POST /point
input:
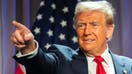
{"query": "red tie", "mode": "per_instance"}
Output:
(99, 68)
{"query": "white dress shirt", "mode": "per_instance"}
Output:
(107, 63)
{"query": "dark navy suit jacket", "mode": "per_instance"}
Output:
(60, 59)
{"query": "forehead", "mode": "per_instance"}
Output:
(90, 15)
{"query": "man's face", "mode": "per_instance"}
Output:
(92, 31)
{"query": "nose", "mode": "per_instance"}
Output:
(87, 31)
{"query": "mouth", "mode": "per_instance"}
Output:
(89, 40)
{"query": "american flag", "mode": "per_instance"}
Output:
(54, 23)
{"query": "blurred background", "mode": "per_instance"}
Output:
(51, 22)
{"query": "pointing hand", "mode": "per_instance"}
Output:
(22, 38)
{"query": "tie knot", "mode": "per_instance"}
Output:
(98, 59)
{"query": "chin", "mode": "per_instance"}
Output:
(87, 48)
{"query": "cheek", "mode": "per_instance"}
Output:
(79, 33)
(100, 34)
(80, 36)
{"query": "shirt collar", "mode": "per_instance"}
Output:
(106, 55)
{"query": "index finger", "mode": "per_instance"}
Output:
(18, 25)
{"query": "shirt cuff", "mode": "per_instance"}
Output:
(28, 55)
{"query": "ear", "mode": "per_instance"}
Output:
(109, 31)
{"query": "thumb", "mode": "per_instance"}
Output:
(29, 37)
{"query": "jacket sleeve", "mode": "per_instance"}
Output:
(42, 63)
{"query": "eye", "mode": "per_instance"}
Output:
(81, 25)
(94, 24)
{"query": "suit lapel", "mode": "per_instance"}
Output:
(79, 63)
(118, 64)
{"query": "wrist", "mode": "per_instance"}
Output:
(29, 48)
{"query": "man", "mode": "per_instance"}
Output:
(94, 25)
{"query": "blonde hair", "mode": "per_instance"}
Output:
(102, 6)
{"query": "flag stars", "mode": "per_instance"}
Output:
(37, 30)
(50, 33)
(53, 6)
(42, 3)
(63, 23)
(65, 9)
(47, 46)
(51, 19)
(74, 39)
(39, 16)
(62, 36)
